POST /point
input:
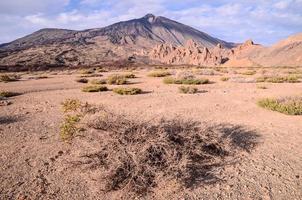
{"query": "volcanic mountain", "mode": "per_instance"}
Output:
(123, 40)
(148, 40)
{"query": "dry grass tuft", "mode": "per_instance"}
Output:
(70, 105)
(127, 91)
(159, 74)
(288, 105)
(138, 154)
(98, 81)
(94, 88)
(116, 79)
(279, 79)
(82, 80)
(185, 81)
(188, 90)
(224, 78)
(9, 78)
(8, 94)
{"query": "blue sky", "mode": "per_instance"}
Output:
(264, 21)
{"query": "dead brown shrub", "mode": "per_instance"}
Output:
(135, 155)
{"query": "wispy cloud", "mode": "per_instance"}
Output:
(265, 21)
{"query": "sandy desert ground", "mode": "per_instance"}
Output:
(35, 162)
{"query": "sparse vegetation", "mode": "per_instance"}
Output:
(279, 79)
(98, 81)
(71, 105)
(187, 89)
(82, 80)
(127, 91)
(129, 75)
(94, 88)
(141, 153)
(159, 74)
(263, 87)
(185, 81)
(224, 78)
(116, 80)
(249, 73)
(288, 105)
(9, 78)
(8, 94)
(69, 127)
(86, 71)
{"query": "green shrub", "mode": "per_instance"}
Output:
(8, 94)
(187, 90)
(127, 91)
(94, 88)
(279, 79)
(116, 80)
(159, 74)
(185, 81)
(289, 105)
(82, 80)
(224, 78)
(98, 81)
(71, 105)
(69, 127)
(9, 78)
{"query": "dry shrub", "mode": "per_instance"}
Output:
(279, 79)
(287, 105)
(127, 91)
(129, 75)
(224, 78)
(137, 155)
(82, 80)
(98, 81)
(159, 74)
(94, 88)
(9, 78)
(116, 79)
(188, 90)
(186, 81)
(8, 94)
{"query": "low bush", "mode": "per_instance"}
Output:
(187, 90)
(116, 80)
(261, 87)
(71, 105)
(98, 81)
(82, 80)
(249, 73)
(136, 155)
(130, 75)
(94, 88)
(9, 78)
(288, 105)
(69, 127)
(185, 81)
(127, 91)
(224, 78)
(159, 74)
(86, 71)
(8, 94)
(279, 79)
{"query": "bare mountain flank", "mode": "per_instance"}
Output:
(149, 40)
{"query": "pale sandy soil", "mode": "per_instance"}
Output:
(35, 162)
